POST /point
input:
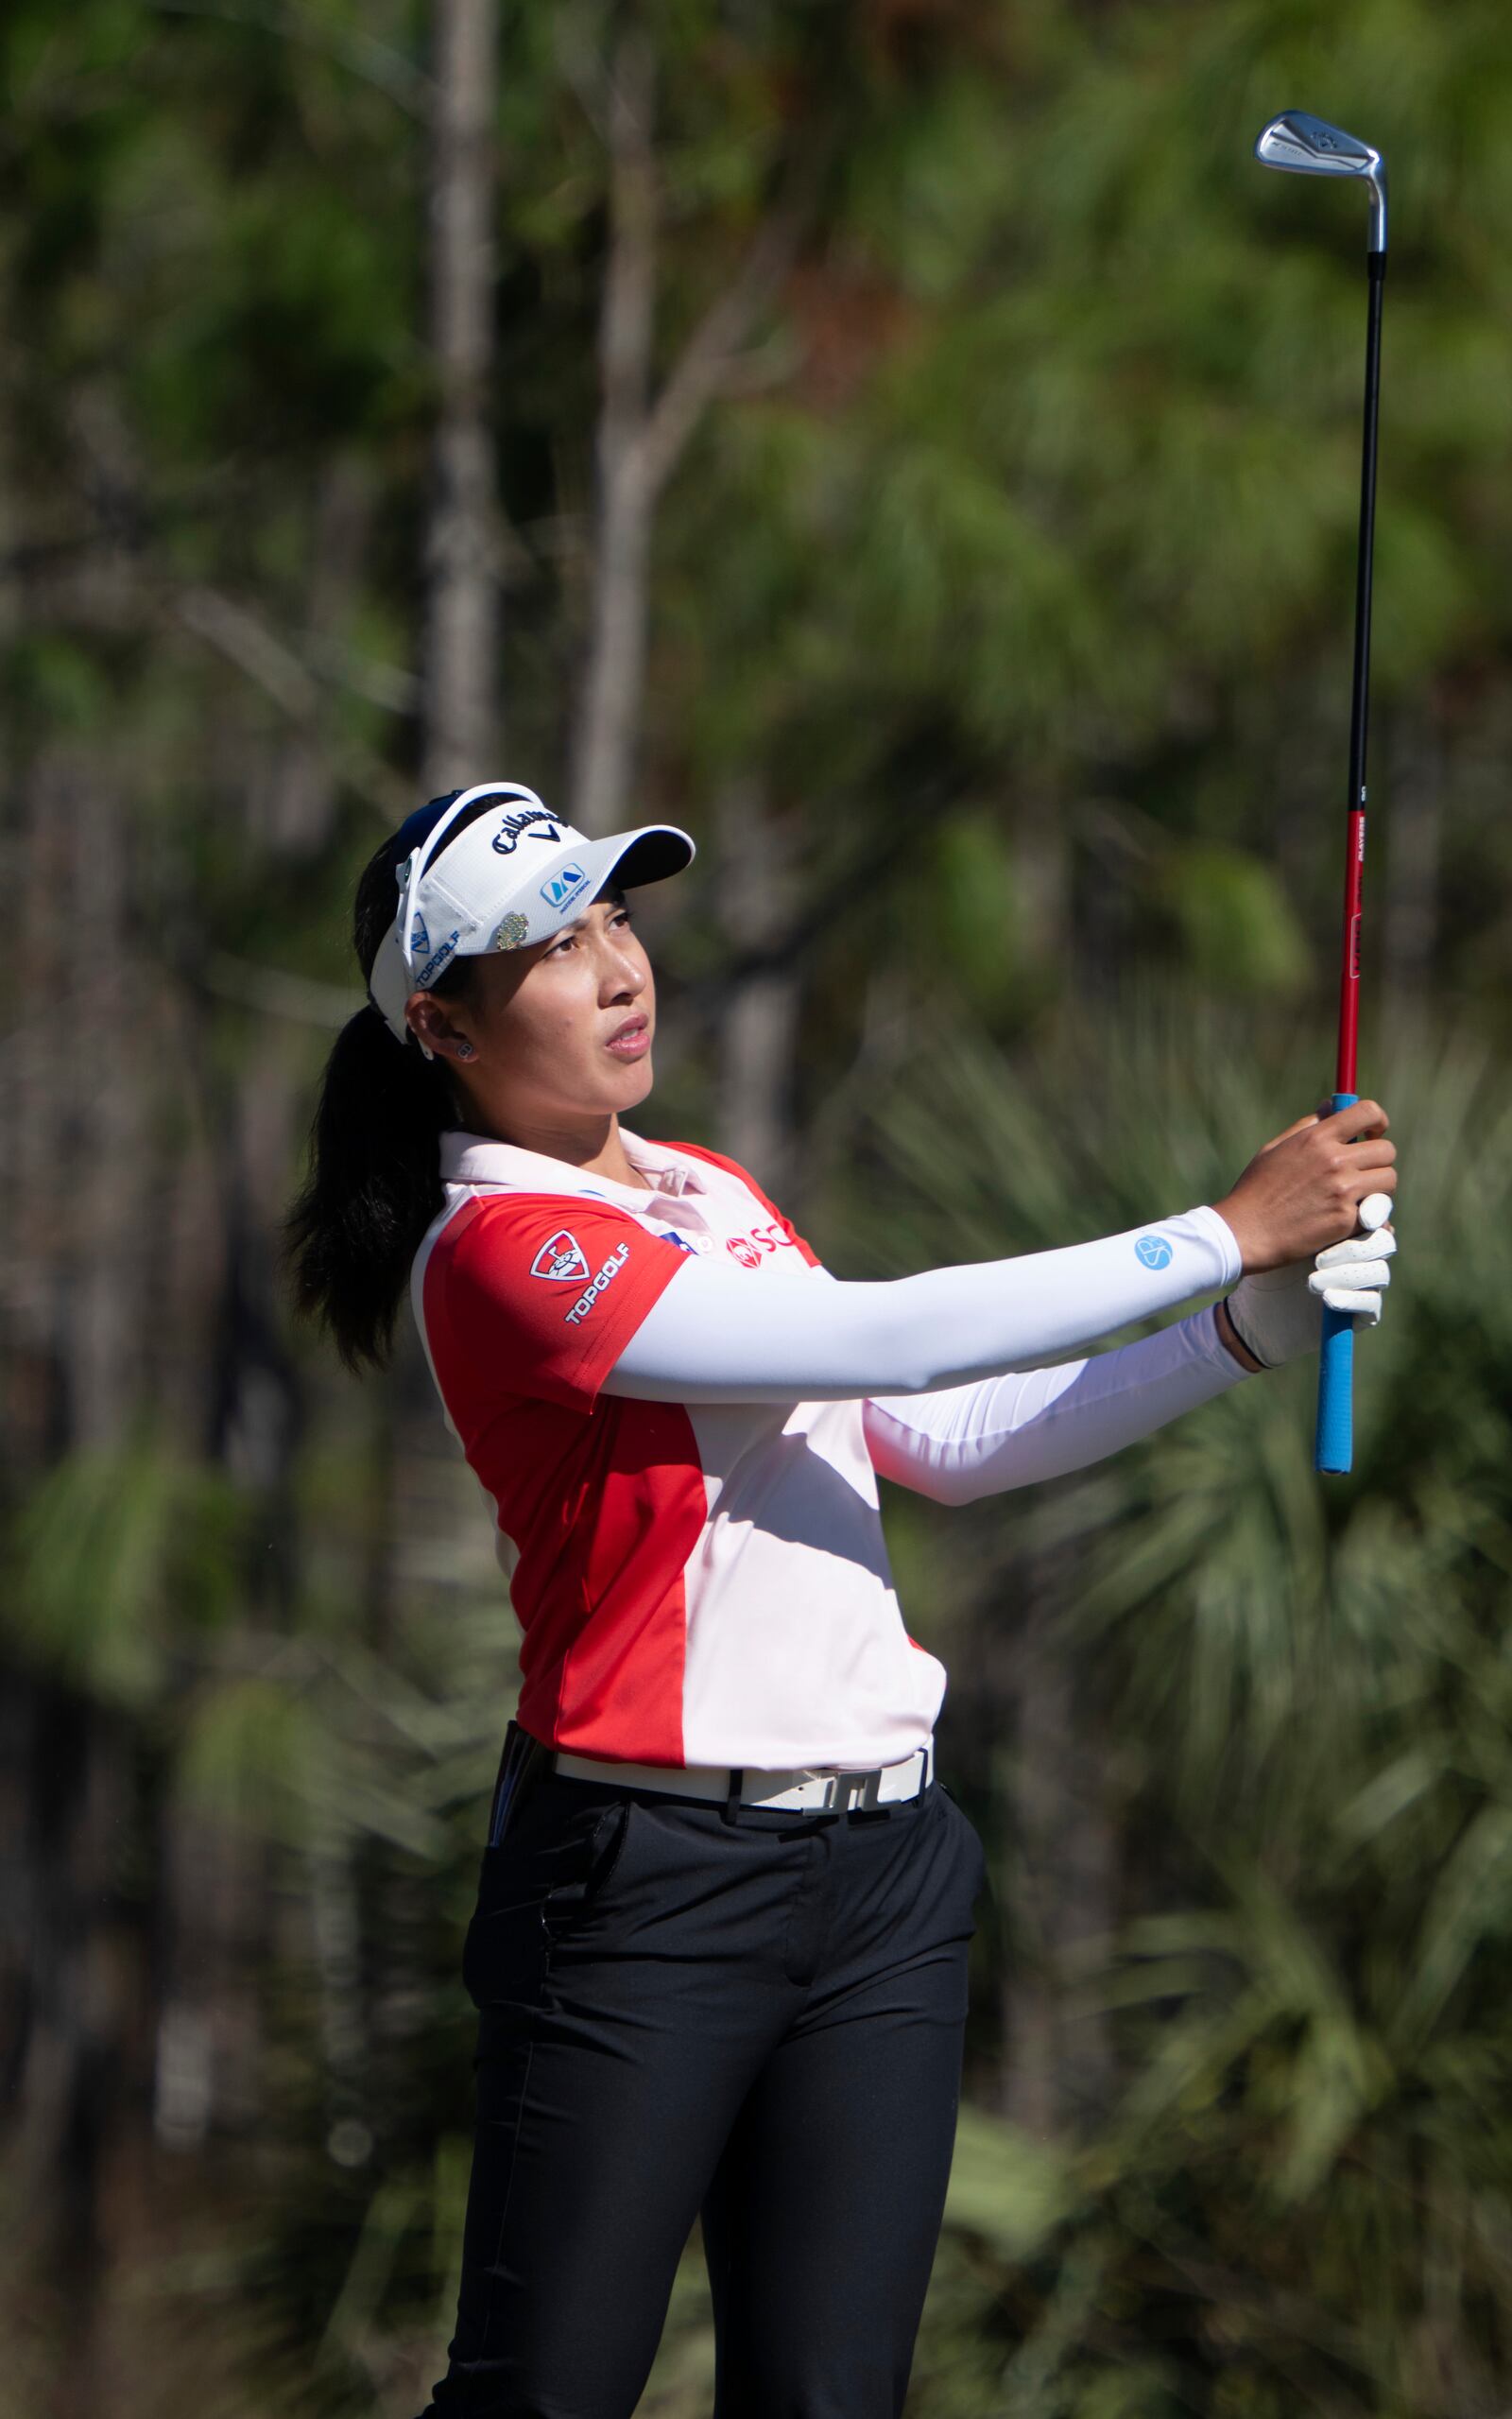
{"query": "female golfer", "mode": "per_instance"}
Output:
(720, 1940)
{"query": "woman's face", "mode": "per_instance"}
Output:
(542, 1022)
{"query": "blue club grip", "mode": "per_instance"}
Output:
(1333, 1450)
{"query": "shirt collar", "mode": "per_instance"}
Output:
(476, 1159)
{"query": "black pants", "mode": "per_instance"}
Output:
(758, 2018)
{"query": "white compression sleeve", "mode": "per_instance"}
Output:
(980, 1439)
(713, 1337)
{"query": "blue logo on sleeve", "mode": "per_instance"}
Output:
(1154, 1252)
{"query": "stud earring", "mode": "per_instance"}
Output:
(465, 1050)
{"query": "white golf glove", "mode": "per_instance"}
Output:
(1277, 1316)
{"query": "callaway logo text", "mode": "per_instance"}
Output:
(539, 821)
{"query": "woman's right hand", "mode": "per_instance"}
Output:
(1303, 1189)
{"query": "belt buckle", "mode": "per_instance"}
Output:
(817, 1792)
(849, 1790)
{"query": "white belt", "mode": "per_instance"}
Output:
(807, 1788)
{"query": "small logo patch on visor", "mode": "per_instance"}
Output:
(563, 884)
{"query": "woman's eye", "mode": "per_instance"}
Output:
(621, 915)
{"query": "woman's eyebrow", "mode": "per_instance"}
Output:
(612, 899)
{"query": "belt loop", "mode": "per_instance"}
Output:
(923, 1774)
(737, 1782)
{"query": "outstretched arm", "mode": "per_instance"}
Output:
(709, 1339)
(714, 1337)
(959, 1442)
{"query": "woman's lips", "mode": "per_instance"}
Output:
(633, 1045)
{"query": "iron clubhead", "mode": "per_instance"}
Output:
(1309, 146)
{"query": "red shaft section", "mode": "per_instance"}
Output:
(1349, 978)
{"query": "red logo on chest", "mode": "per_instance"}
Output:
(749, 1249)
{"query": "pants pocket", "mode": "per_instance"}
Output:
(535, 1888)
(571, 1898)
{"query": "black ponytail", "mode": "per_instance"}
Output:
(375, 1183)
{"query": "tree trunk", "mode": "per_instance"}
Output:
(1411, 830)
(302, 782)
(82, 1989)
(461, 636)
(1056, 2075)
(1020, 1726)
(642, 430)
(757, 1019)
(80, 1254)
(605, 739)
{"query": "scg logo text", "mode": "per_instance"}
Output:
(747, 1248)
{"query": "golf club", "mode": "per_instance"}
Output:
(1307, 147)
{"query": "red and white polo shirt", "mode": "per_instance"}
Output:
(694, 1583)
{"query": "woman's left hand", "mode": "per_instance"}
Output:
(1277, 1316)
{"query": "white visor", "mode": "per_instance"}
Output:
(509, 879)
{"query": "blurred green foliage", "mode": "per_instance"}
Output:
(1015, 562)
(1298, 2195)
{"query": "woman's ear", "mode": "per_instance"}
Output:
(437, 1036)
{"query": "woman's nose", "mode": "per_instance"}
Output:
(624, 972)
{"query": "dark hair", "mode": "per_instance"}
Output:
(375, 1183)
